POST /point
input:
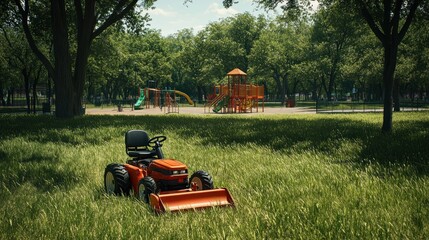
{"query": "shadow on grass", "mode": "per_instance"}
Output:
(406, 145)
(44, 177)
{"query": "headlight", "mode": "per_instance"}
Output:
(174, 172)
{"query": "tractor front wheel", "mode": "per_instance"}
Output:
(146, 186)
(116, 180)
(202, 180)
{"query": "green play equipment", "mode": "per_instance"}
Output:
(140, 101)
(222, 103)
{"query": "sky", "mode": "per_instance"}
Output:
(169, 16)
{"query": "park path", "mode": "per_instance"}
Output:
(194, 110)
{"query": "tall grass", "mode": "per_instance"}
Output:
(309, 177)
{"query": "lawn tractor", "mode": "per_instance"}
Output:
(159, 181)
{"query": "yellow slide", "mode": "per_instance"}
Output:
(186, 96)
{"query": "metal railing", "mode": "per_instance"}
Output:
(361, 106)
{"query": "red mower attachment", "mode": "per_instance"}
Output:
(161, 182)
(178, 201)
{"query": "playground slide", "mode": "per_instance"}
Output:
(220, 104)
(140, 101)
(186, 96)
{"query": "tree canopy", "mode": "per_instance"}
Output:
(342, 50)
(389, 21)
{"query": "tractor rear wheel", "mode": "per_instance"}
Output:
(146, 186)
(116, 180)
(202, 180)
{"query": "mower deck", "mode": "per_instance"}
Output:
(188, 199)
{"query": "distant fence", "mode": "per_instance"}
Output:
(360, 106)
(18, 104)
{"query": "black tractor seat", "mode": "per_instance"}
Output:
(137, 145)
(140, 153)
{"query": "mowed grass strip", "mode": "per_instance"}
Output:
(310, 177)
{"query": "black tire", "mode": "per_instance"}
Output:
(202, 179)
(146, 186)
(116, 180)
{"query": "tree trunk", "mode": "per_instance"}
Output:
(86, 23)
(265, 88)
(396, 94)
(27, 88)
(314, 92)
(333, 75)
(390, 53)
(79, 79)
(49, 91)
(286, 88)
(9, 99)
(200, 93)
(90, 90)
(330, 86)
(323, 85)
(280, 88)
(35, 82)
(64, 89)
(3, 102)
(34, 97)
(295, 86)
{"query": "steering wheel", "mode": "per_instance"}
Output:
(158, 139)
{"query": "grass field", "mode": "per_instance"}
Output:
(292, 177)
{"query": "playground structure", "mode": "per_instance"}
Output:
(236, 96)
(160, 98)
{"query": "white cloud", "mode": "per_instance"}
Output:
(198, 28)
(161, 12)
(220, 10)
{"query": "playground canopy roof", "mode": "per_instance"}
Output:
(236, 72)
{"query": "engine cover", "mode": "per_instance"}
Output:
(169, 174)
(169, 164)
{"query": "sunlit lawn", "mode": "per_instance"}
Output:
(295, 176)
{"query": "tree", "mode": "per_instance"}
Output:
(389, 20)
(413, 62)
(221, 52)
(180, 45)
(90, 20)
(191, 62)
(20, 58)
(279, 48)
(104, 63)
(245, 29)
(148, 59)
(363, 66)
(334, 30)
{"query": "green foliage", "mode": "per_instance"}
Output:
(204, 59)
(413, 62)
(122, 63)
(316, 53)
(279, 49)
(335, 30)
(312, 177)
(364, 75)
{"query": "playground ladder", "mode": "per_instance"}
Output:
(215, 101)
(171, 105)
